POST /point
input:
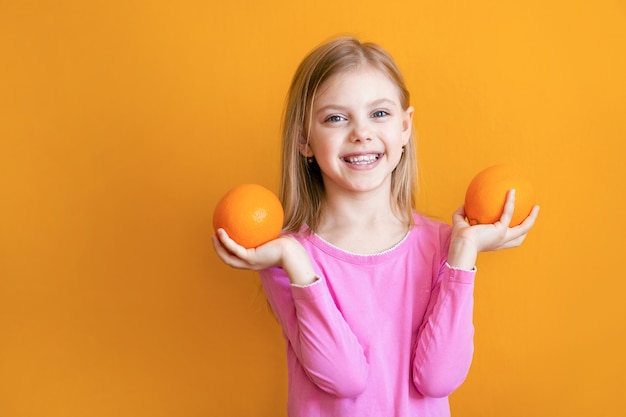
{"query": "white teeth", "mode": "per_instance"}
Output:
(361, 159)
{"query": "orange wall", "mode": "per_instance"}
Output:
(123, 122)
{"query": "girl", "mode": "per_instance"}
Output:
(375, 300)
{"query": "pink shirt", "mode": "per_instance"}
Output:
(381, 335)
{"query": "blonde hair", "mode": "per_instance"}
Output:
(302, 189)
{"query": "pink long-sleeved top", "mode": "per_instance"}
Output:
(382, 335)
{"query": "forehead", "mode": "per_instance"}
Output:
(363, 82)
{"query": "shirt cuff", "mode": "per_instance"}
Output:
(474, 269)
(317, 279)
(460, 275)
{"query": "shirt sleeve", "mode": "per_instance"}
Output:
(445, 346)
(316, 331)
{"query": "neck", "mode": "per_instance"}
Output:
(361, 222)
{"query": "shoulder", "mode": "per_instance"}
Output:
(303, 236)
(433, 231)
(430, 225)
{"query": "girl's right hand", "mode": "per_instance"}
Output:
(235, 255)
(283, 251)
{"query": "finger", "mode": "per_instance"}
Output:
(217, 245)
(514, 242)
(534, 213)
(232, 260)
(459, 214)
(216, 242)
(229, 251)
(509, 208)
(230, 245)
(529, 221)
(220, 249)
(516, 235)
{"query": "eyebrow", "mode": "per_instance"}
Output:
(375, 103)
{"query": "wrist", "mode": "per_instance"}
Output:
(462, 254)
(296, 263)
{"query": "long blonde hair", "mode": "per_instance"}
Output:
(302, 189)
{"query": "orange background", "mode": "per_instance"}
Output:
(123, 122)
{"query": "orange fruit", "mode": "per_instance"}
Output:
(251, 215)
(486, 195)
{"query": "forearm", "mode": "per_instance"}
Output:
(317, 332)
(326, 346)
(444, 349)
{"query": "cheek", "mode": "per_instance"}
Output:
(395, 158)
(326, 155)
(395, 149)
(324, 144)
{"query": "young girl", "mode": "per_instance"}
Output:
(375, 300)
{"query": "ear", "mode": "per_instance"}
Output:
(407, 125)
(304, 147)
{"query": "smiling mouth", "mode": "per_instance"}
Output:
(362, 159)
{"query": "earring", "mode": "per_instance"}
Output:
(309, 160)
(403, 149)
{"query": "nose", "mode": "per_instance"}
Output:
(360, 132)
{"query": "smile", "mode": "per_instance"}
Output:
(362, 159)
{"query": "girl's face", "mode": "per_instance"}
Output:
(358, 128)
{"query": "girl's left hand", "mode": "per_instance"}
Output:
(467, 241)
(283, 251)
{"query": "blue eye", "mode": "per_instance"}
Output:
(335, 118)
(379, 113)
